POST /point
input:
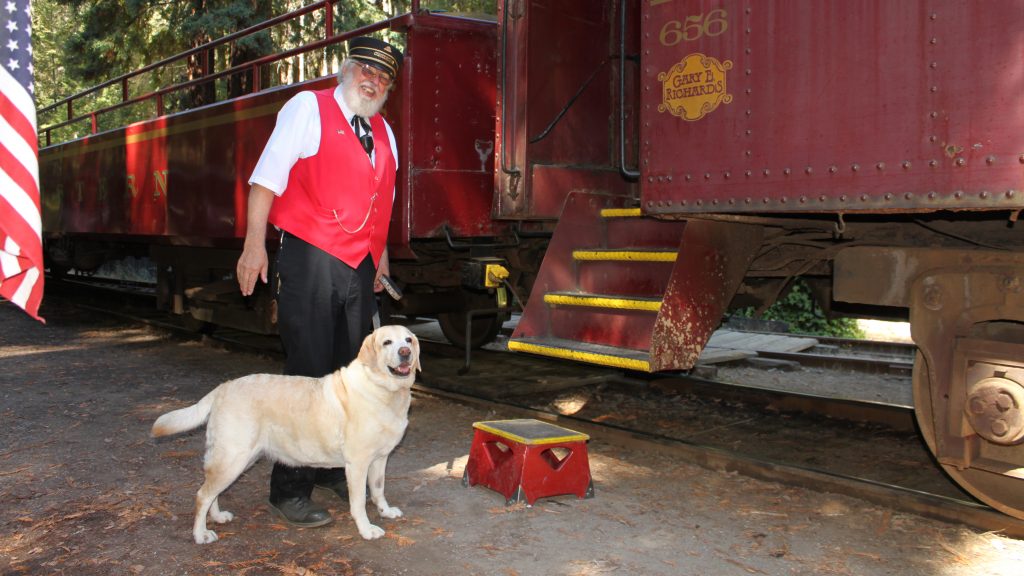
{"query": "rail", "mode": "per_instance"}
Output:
(208, 74)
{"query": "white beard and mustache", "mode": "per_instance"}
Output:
(356, 101)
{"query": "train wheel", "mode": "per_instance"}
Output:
(484, 329)
(1000, 491)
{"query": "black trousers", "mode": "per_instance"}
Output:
(324, 310)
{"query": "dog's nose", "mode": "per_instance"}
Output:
(405, 352)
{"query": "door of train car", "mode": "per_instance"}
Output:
(558, 104)
(880, 147)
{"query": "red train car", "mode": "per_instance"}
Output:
(874, 148)
(669, 160)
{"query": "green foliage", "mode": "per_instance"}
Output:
(81, 43)
(469, 7)
(799, 309)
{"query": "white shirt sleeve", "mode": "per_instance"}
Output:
(394, 153)
(296, 135)
(394, 144)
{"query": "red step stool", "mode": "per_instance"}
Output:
(528, 459)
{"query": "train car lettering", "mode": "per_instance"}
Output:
(715, 23)
(718, 25)
(694, 86)
(160, 176)
(130, 184)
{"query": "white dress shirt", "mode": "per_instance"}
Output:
(297, 135)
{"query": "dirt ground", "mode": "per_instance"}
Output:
(86, 491)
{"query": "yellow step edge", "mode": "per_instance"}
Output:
(620, 213)
(569, 436)
(603, 302)
(625, 255)
(579, 356)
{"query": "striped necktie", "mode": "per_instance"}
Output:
(362, 130)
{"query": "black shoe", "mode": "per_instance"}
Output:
(301, 512)
(339, 488)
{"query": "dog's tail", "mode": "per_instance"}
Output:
(183, 419)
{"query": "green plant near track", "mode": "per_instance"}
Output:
(799, 309)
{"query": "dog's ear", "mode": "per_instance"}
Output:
(416, 352)
(368, 352)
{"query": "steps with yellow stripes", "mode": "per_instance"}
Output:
(599, 292)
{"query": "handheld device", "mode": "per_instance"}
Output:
(390, 287)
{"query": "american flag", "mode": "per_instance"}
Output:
(21, 251)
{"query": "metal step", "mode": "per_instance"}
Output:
(625, 255)
(609, 301)
(628, 227)
(600, 354)
(621, 213)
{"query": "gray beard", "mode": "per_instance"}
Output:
(360, 105)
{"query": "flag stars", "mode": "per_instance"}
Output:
(12, 45)
(13, 65)
(11, 7)
(11, 26)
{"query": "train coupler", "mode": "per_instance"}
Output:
(484, 272)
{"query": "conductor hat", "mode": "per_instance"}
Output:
(376, 53)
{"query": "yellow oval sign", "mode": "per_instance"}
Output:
(694, 86)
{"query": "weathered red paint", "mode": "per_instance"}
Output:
(871, 106)
(713, 257)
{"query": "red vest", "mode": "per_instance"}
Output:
(336, 199)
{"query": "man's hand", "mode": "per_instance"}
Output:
(383, 268)
(253, 263)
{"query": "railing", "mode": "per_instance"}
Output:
(208, 75)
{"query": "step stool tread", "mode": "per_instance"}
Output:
(530, 432)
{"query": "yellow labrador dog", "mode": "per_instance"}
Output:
(353, 418)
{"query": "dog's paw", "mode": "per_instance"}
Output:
(372, 532)
(205, 537)
(222, 517)
(390, 512)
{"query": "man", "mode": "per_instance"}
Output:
(326, 179)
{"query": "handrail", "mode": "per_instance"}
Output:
(233, 70)
(512, 171)
(623, 169)
(212, 44)
(157, 95)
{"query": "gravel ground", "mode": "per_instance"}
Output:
(86, 491)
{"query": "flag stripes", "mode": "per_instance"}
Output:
(21, 250)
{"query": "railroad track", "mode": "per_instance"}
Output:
(865, 356)
(945, 508)
(924, 489)
(728, 428)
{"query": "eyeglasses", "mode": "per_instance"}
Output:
(375, 75)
